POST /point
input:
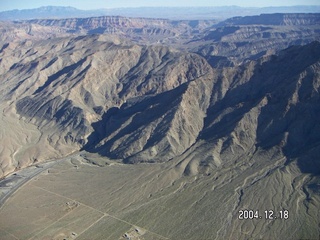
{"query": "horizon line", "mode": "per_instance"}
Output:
(222, 6)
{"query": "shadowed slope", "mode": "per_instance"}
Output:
(63, 87)
(271, 105)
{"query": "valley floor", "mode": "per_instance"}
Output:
(88, 197)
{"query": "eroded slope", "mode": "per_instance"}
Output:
(62, 87)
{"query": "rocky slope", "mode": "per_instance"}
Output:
(21, 32)
(227, 43)
(239, 39)
(237, 112)
(134, 102)
(217, 141)
(140, 30)
(269, 104)
(144, 30)
(233, 125)
(292, 19)
(153, 103)
(62, 87)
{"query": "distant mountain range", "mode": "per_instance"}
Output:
(152, 12)
(223, 43)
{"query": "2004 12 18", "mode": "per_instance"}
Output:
(248, 214)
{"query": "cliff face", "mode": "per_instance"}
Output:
(100, 22)
(239, 39)
(134, 28)
(228, 43)
(276, 19)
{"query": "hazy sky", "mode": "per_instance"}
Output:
(96, 4)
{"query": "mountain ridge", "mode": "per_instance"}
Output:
(144, 88)
(274, 19)
(173, 13)
(226, 43)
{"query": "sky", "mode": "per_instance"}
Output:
(97, 4)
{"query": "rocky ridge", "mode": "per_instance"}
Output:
(151, 104)
(228, 43)
(275, 19)
(64, 91)
(239, 39)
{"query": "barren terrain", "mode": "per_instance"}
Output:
(156, 201)
(134, 128)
